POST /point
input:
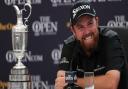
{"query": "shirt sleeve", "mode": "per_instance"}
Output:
(115, 54)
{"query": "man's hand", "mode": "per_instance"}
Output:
(60, 80)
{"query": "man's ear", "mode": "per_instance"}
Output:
(72, 30)
(97, 20)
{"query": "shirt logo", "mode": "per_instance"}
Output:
(64, 60)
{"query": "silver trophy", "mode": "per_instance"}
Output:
(19, 77)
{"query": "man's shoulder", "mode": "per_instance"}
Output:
(69, 40)
(108, 32)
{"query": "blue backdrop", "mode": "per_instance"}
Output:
(48, 27)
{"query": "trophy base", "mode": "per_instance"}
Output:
(19, 78)
(18, 85)
(19, 65)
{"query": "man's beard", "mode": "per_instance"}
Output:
(89, 42)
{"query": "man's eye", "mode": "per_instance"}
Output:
(80, 27)
(90, 23)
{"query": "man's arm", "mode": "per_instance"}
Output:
(108, 81)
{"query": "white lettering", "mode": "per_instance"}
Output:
(45, 26)
(119, 22)
(35, 78)
(69, 77)
(56, 3)
(10, 57)
(41, 85)
(21, 2)
(80, 8)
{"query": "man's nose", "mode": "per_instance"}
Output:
(86, 31)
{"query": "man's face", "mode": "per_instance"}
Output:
(86, 31)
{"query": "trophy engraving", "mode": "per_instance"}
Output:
(19, 77)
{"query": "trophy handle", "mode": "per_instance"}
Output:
(27, 5)
(19, 12)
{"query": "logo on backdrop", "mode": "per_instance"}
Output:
(21, 2)
(29, 57)
(56, 54)
(105, 0)
(37, 83)
(7, 26)
(118, 21)
(45, 26)
(3, 85)
(56, 3)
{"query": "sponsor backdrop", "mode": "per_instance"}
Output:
(48, 27)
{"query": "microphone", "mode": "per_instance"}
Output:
(71, 75)
(71, 78)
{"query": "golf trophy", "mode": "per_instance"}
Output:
(19, 77)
